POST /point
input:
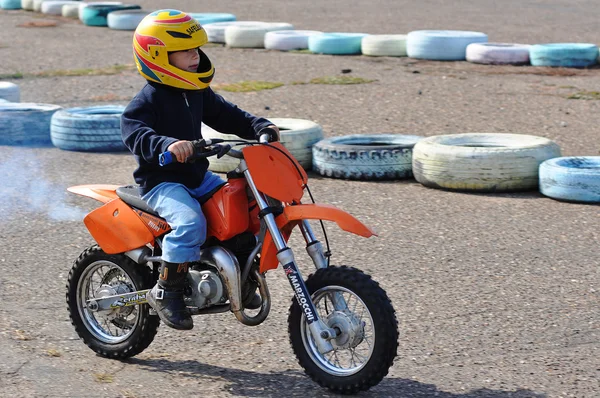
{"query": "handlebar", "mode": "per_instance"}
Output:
(205, 148)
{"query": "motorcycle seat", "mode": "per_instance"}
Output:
(131, 195)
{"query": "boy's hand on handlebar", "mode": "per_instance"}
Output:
(272, 131)
(181, 150)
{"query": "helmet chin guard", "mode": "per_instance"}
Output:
(165, 31)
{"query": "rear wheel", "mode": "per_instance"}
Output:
(116, 333)
(358, 309)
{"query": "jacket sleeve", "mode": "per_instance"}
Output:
(227, 118)
(138, 135)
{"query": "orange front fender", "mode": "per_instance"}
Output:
(293, 215)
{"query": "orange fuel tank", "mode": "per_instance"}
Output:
(227, 211)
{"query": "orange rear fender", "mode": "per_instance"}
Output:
(293, 215)
(103, 193)
(117, 228)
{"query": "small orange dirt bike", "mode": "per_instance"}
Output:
(341, 323)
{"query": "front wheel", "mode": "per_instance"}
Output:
(360, 312)
(115, 333)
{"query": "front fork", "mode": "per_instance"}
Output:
(321, 333)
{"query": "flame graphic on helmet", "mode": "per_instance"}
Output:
(146, 41)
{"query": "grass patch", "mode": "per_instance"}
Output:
(22, 335)
(53, 353)
(16, 75)
(247, 86)
(39, 24)
(110, 70)
(585, 95)
(304, 51)
(111, 97)
(103, 377)
(340, 80)
(210, 44)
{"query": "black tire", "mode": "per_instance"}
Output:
(145, 326)
(365, 156)
(384, 324)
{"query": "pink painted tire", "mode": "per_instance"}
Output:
(498, 53)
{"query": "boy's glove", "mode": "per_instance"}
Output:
(273, 134)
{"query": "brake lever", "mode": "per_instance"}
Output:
(223, 150)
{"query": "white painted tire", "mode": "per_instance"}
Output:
(10, 92)
(216, 31)
(54, 7)
(126, 19)
(98, 3)
(70, 10)
(297, 135)
(498, 53)
(482, 162)
(27, 5)
(441, 45)
(384, 45)
(252, 34)
(286, 40)
(37, 5)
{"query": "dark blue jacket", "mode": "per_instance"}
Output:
(160, 115)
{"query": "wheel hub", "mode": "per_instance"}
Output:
(112, 289)
(349, 328)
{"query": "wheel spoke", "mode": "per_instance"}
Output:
(104, 278)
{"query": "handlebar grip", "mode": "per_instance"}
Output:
(165, 158)
(264, 138)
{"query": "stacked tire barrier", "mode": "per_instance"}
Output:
(25, 123)
(95, 128)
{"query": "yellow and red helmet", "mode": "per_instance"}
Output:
(165, 31)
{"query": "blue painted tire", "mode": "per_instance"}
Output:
(568, 55)
(336, 43)
(10, 92)
(25, 123)
(89, 129)
(125, 19)
(212, 17)
(441, 45)
(365, 156)
(10, 4)
(97, 15)
(573, 179)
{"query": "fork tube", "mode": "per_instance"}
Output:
(314, 248)
(320, 332)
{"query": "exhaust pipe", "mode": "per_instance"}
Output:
(227, 265)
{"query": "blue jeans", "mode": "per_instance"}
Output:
(179, 206)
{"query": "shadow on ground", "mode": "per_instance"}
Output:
(292, 383)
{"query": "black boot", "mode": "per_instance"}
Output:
(254, 303)
(166, 297)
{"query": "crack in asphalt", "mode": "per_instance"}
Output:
(14, 372)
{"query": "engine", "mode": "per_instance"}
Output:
(207, 288)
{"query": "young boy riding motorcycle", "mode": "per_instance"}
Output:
(165, 116)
